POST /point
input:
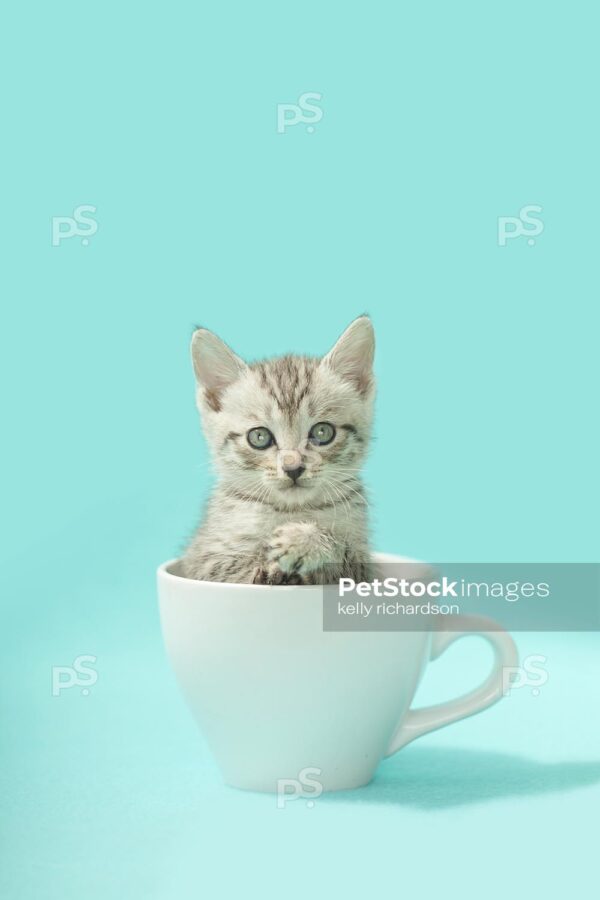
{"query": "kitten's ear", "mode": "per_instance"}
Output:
(352, 356)
(215, 365)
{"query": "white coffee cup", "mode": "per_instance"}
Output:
(276, 696)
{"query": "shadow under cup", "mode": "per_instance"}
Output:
(282, 702)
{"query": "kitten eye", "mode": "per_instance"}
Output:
(260, 438)
(321, 433)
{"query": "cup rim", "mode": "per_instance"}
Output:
(165, 575)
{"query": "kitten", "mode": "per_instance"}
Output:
(288, 437)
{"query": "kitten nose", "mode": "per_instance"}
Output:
(291, 462)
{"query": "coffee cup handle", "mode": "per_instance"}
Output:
(418, 722)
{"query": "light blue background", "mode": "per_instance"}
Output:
(438, 119)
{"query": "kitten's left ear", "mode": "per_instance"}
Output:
(216, 366)
(352, 356)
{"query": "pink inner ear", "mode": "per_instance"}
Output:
(215, 365)
(352, 355)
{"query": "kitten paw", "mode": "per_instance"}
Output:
(274, 575)
(297, 548)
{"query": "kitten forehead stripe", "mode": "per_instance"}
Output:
(287, 380)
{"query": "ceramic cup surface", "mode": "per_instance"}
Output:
(275, 695)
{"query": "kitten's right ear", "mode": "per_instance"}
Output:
(215, 365)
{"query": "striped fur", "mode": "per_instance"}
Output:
(259, 525)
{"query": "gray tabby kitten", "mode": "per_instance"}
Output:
(288, 437)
